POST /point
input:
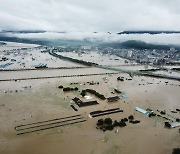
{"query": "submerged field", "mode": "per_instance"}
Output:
(29, 101)
(45, 101)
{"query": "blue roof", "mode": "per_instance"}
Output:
(175, 124)
(142, 111)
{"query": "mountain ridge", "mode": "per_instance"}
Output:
(135, 44)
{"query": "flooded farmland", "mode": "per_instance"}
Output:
(36, 114)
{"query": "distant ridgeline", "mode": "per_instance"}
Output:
(149, 32)
(22, 40)
(133, 44)
(23, 31)
(47, 42)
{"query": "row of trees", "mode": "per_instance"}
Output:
(70, 89)
(120, 78)
(109, 124)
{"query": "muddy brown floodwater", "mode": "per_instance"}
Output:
(24, 102)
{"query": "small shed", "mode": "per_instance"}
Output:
(142, 111)
(175, 124)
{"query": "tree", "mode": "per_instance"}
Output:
(108, 121)
(116, 123)
(67, 89)
(131, 117)
(163, 112)
(83, 93)
(76, 88)
(120, 79)
(109, 127)
(176, 151)
(167, 124)
(134, 121)
(122, 124)
(100, 122)
(60, 87)
(125, 119)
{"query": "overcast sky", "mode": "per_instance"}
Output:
(90, 15)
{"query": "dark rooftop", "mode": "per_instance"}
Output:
(83, 104)
(112, 99)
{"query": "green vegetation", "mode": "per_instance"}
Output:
(105, 124)
(120, 78)
(176, 151)
(131, 117)
(108, 121)
(134, 121)
(167, 124)
(60, 87)
(177, 120)
(108, 124)
(83, 93)
(70, 89)
(139, 45)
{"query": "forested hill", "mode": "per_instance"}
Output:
(133, 44)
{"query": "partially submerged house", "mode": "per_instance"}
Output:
(88, 103)
(175, 124)
(117, 90)
(41, 65)
(123, 94)
(113, 99)
(172, 124)
(83, 104)
(145, 112)
(5, 65)
(77, 101)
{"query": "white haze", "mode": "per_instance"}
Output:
(102, 36)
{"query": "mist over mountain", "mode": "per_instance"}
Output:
(119, 33)
(143, 40)
(22, 31)
(140, 45)
(149, 32)
(48, 42)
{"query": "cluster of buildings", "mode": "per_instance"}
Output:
(147, 56)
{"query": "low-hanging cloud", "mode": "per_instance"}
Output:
(89, 16)
(101, 37)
